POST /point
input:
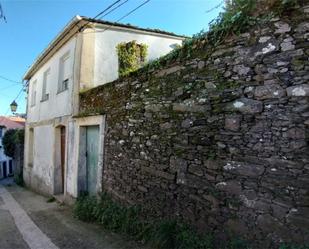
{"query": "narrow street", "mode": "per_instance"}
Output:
(27, 220)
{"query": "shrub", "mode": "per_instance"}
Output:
(19, 180)
(84, 208)
(10, 139)
(161, 234)
(289, 246)
(131, 55)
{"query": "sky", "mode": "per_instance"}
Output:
(32, 24)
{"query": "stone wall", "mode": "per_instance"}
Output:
(221, 139)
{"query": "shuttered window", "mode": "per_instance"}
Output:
(46, 83)
(64, 72)
(33, 93)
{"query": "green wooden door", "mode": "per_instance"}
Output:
(92, 150)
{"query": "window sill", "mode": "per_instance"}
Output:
(45, 97)
(61, 91)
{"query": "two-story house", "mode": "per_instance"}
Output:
(64, 155)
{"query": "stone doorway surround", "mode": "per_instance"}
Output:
(80, 127)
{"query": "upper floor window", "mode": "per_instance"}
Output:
(46, 81)
(33, 93)
(64, 72)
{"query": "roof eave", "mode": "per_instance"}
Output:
(73, 25)
(156, 32)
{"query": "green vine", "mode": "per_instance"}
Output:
(131, 56)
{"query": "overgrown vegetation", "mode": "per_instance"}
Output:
(238, 17)
(12, 138)
(51, 199)
(159, 234)
(131, 56)
(289, 246)
(163, 234)
(19, 179)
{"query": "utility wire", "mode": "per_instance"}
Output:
(121, 18)
(114, 9)
(19, 93)
(76, 24)
(101, 13)
(106, 9)
(7, 79)
(129, 13)
(4, 88)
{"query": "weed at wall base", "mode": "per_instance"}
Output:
(159, 234)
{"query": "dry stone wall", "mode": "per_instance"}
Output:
(220, 140)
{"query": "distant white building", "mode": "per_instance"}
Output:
(63, 154)
(6, 163)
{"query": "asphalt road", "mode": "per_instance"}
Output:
(28, 221)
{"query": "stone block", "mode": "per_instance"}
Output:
(168, 71)
(295, 133)
(269, 92)
(241, 70)
(153, 107)
(298, 91)
(286, 46)
(158, 173)
(231, 187)
(196, 169)
(244, 169)
(245, 106)
(181, 107)
(232, 123)
(191, 181)
(178, 164)
(212, 164)
(263, 49)
(142, 189)
(299, 218)
(267, 223)
(282, 27)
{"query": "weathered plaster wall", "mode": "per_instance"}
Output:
(106, 58)
(220, 140)
(43, 174)
(60, 102)
(39, 175)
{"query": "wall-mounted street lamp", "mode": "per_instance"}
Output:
(13, 106)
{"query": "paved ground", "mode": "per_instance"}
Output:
(28, 221)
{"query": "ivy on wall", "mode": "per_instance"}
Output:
(131, 56)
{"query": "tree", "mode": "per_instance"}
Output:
(10, 139)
